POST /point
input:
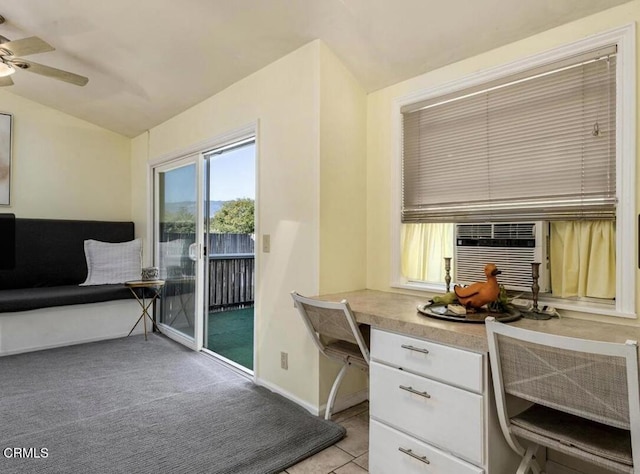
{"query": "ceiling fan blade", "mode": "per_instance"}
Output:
(49, 71)
(27, 46)
(6, 81)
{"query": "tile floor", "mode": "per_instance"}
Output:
(348, 456)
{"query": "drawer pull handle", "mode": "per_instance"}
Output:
(413, 348)
(409, 452)
(417, 392)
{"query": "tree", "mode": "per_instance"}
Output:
(181, 221)
(235, 217)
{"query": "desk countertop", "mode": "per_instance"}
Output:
(397, 312)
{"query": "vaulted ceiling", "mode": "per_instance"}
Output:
(148, 60)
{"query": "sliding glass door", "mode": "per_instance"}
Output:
(204, 247)
(178, 248)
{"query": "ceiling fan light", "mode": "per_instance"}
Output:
(6, 69)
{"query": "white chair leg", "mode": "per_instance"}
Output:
(529, 462)
(334, 391)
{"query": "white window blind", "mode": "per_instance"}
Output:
(536, 146)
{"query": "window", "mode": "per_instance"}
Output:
(522, 164)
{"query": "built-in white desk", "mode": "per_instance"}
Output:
(431, 400)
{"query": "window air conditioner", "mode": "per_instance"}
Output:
(511, 246)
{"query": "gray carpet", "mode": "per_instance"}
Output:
(130, 406)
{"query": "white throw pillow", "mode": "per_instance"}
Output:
(109, 263)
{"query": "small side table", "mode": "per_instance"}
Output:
(145, 302)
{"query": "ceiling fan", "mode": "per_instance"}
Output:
(10, 62)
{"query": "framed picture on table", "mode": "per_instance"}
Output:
(6, 126)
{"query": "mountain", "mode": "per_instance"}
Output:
(190, 207)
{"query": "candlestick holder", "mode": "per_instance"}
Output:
(535, 288)
(447, 272)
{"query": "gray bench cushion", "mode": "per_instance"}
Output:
(24, 299)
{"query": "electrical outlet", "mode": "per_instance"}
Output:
(266, 243)
(284, 360)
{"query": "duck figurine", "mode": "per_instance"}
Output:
(478, 294)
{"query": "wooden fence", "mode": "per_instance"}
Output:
(231, 271)
(231, 281)
(231, 267)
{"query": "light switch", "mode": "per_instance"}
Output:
(266, 243)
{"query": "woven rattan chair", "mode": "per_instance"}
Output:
(584, 396)
(336, 333)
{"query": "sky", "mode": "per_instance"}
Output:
(232, 176)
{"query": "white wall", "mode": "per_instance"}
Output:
(343, 106)
(343, 206)
(64, 167)
(140, 205)
(380, 143)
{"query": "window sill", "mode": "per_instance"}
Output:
(437, 288)
(601, 309)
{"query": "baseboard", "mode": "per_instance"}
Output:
(280, 391)
(341, 403)
(347, 401)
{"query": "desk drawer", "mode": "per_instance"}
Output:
(448, 417)
(454, 366)
(389, 453)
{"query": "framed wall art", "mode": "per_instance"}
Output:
(6, 126)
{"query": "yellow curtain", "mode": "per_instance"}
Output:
(583, 259)
(424, 247)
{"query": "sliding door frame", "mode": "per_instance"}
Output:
(207, 157)
(191, 159)
(199, 149)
